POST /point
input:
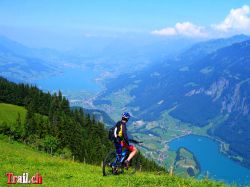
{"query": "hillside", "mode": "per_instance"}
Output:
(49, 123)
(18, 63)
(9, 113)
(51, 126)
(100, 115)
(18, 158)
(21, 63)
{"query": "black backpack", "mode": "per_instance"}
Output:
(111, 132)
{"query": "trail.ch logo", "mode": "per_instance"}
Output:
(24, 179)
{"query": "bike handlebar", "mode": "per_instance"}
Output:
(134, 141)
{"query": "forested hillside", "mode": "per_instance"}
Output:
(51, 126)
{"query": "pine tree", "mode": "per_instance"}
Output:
(30, 122)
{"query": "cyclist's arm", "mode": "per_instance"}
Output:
(124, 133)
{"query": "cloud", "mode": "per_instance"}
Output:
(165, 32)
(237, 20)
(184, 29)
(189, 29)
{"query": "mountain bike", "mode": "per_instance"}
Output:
(113, 165)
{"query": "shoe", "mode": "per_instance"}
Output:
(115, 171)
(126, 164)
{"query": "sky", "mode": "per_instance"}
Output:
(47, 21)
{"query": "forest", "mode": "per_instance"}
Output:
(51, 125)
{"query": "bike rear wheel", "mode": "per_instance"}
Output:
(107, 163)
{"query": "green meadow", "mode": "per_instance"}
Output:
(9, 113)
(19, 158)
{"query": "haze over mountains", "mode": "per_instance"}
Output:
(206, 84)
(102, 54)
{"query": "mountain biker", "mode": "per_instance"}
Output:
(121, 139)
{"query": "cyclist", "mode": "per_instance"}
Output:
(121, 139)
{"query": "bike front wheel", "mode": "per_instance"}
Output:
(135, 165)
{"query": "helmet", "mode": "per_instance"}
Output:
(125, 115)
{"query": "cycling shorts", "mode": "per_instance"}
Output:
(128, 147)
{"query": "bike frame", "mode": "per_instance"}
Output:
(117, 164)
(125, 153)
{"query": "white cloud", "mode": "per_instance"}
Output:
(184, 29)
(165, 32)
(237, 20)
(189, 29)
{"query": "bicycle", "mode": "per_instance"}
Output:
(113, 165)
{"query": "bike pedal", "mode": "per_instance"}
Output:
(115, 172)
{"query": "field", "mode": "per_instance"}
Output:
(186, 164)
(9, 113)
(18, 158)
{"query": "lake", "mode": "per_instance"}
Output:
(219, 166)
(70, 79)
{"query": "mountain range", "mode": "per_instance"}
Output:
(207, 85)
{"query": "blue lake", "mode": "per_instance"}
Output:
(70, 79)
(218, 166)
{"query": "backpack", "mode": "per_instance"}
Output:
(111, 136)
(111, 133)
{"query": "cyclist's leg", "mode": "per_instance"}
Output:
(118, 148)
(131, 148)
(133, 152)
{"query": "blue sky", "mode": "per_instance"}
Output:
(29, 18)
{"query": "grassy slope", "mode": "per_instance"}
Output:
(18, 158)
(9, 113)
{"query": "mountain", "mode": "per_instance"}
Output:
(19, 63)
(8, 45)
(24, 64)
(109, 57)
(207, 84)
(99, 115)
(222, 87)
(201, 49)
(164, 83)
